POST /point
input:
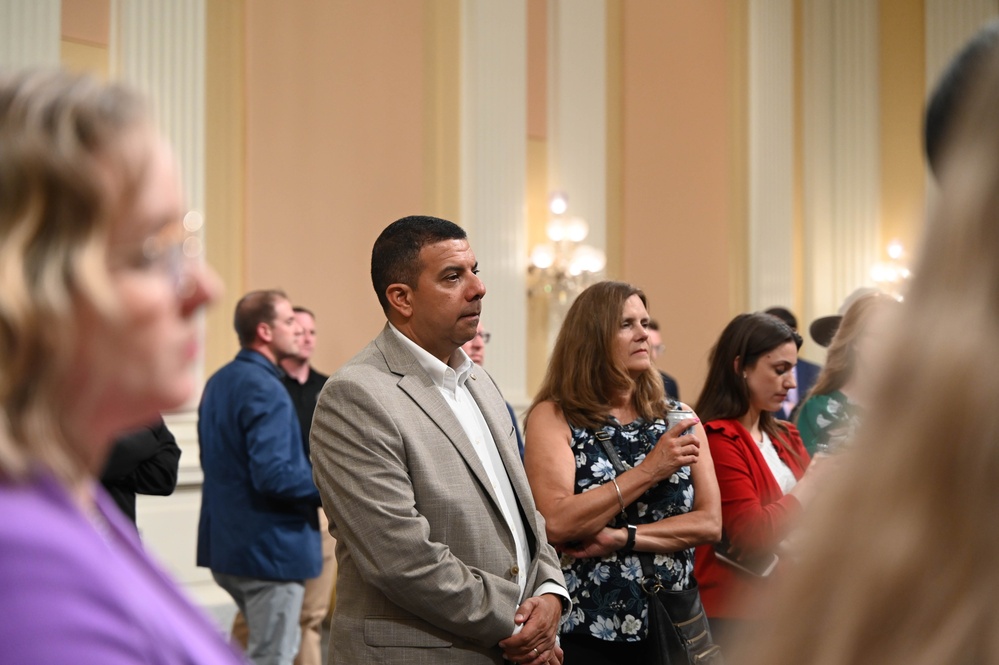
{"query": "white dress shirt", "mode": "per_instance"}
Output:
(782, 472)
(450, 381)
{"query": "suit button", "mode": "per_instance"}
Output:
(515, 571)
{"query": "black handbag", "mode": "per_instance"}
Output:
(678, 627)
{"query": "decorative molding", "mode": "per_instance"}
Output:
(494, 176)
(30, 32)
(841, 160)
(771, 153)
(159, 47)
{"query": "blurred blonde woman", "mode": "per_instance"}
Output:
(901, 569)
(97, 336)
(833, 408)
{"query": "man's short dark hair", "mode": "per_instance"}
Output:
(395, 257)
(785, 315)
(254, 308)
(298, 309)
(953, 89)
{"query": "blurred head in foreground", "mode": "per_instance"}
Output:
(900, 565)
(97, 327)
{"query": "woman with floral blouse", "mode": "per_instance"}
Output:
(831, 413)
(603, 398)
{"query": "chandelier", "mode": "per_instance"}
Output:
(562, 267)
(891, 276)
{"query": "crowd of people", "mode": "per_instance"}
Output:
(845, 523)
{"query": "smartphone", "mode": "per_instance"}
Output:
(761, 565)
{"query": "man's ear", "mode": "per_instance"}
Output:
(400, 299)
(265, 332)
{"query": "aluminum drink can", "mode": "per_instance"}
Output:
(676, 415)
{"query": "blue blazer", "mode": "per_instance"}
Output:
(258, 503)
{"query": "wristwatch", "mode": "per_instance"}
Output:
(629, 544)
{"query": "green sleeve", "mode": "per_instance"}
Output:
(809, 430)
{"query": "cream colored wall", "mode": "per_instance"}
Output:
(538, 188)
(334, 153)
(677, 176)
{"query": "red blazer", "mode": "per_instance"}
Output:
(756, 515)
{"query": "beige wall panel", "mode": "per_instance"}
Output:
(86, 21)
(537, 69)
(676, 174)
(334, 153)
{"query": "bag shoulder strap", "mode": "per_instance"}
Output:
(606, 440)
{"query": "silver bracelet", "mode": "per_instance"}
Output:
(620, 498)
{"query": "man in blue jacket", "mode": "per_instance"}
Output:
(258, 531)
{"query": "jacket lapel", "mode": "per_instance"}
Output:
(418, 385)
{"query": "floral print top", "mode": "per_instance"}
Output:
(826, 422)
(607, 598)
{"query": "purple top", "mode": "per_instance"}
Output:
(73, 590)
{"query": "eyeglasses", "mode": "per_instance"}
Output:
(171, 252)
(173, 259)
(484, 335)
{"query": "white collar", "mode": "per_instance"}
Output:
(447, 377)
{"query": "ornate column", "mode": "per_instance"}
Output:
(841, 163)
(30, 32)
(159, 47)
(771, 153)
(949, 24)
(494, 176)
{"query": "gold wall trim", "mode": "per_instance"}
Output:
(442, 108)
(225, 172)
(902, 65)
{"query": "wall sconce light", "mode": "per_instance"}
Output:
(565, 265)
(891, 276)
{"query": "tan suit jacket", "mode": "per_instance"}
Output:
(427, 564)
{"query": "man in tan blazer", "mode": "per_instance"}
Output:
(442, 554)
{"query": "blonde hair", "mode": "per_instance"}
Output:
(841, 360)
(584, 374)
(900, 567)
(63, 177)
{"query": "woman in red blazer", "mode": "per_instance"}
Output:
(760, 463)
